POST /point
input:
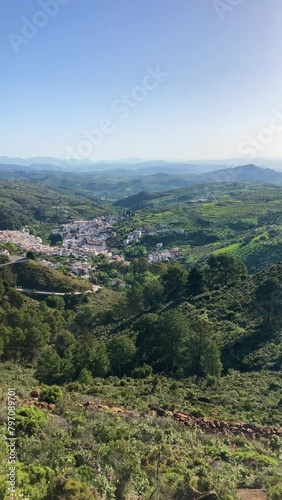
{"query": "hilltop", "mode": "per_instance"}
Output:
(24, 203)
(116, 181)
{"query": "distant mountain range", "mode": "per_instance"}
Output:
(245, 173)
(134, 164)
(119, 181)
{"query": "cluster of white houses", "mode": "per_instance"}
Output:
(27, 241)
(82, 239)
(86, 237)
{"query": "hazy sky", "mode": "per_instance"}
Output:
(89, 70)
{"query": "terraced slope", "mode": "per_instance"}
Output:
(243, 219)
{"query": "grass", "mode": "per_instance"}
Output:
(230, 248)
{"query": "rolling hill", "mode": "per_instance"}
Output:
(27, 203)
(115, 182)
(244, 219)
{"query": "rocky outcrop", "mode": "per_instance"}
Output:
(217, 426)
(39, 404)
(35, 393)
(206, 424)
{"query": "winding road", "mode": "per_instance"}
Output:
(44, 292)
(15, 259)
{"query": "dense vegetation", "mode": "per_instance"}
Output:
(174, 339)
(35, 276)
(242, 219)
(100, 377)
(76, 453)
(24, 203)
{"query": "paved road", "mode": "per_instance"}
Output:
(43, 292)
(14, 259)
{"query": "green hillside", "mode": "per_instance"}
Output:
(167, 389)
(24, 203)
(140, 393)
(116, 182)
(243, 219)
(35, 276)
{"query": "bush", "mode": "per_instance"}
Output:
(276, 493)
(29, 420)
(86, 377)
(142, 372)
(71, 489)
(74, 387)
(51, 394)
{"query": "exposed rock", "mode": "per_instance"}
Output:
(160, 411)
(41, 404)
(118, 410)
(207, 424)
(103, 407)
(42, 436)
(35, 393)
(153, 413)
(221, 426)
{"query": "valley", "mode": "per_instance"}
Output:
(143, 336)
(141, 250)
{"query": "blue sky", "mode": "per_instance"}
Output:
(223, 78)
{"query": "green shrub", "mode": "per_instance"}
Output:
(276, 492)
(51, 394)
(74, 490)
(144, 371)
(74, 387)
(29, 420)
(86, 377)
